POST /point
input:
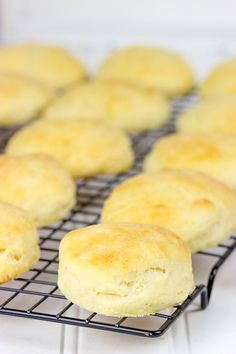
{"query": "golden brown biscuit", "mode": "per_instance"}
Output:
(84, 148)
(153, 68)
(49, 65)
(121, 105)
(37, 184)
(124, 269)
(214, 115)
(196, 207)
(19, 250)
(221, 80)
(21, 99)
(213, 154)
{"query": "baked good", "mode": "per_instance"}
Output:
(21, 99)
(212, 115)
(213, 154)
(19, 250)
(221, 80)
(196, 207)
(153, 68)
(121, 105)
(37, 184)
(124, 269)
(49, 65)
(84, 148)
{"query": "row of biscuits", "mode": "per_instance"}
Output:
(127, 265)
(44, 187)
(122, 267)
(129, 90)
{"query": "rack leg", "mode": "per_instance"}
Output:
(204, 298)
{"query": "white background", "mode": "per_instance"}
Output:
(205, 32)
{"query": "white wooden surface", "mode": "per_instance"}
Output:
(205, 32)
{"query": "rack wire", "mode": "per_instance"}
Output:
(36, 295)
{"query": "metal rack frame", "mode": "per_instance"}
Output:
(29, 295)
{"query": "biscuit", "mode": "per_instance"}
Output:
(37, 184)
(84, 148)
(19, 250)
(212, 154)
(49, 65)
(220, 81)
(212, 115)
(153, 68)
(21, 99)
(196, 207)
(124, 269)
(121, 105)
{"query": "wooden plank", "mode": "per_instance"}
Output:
(20, 336)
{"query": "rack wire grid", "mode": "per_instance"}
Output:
(36, 295)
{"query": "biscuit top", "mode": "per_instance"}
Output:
(116, 103)
(191, 150)
(196, 207)
(212, 115)
(150, 67)
(22, 176)
(172, 189)
(84, 134)
(48, 64)
(121, 248)
(221, 80)
(60, 136)
(31, 169)
(39, 185)
(84, 148)
(12, 86)
(21, 98)
(14, 223)
(105, 98)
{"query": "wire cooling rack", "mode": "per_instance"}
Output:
(36, 295)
